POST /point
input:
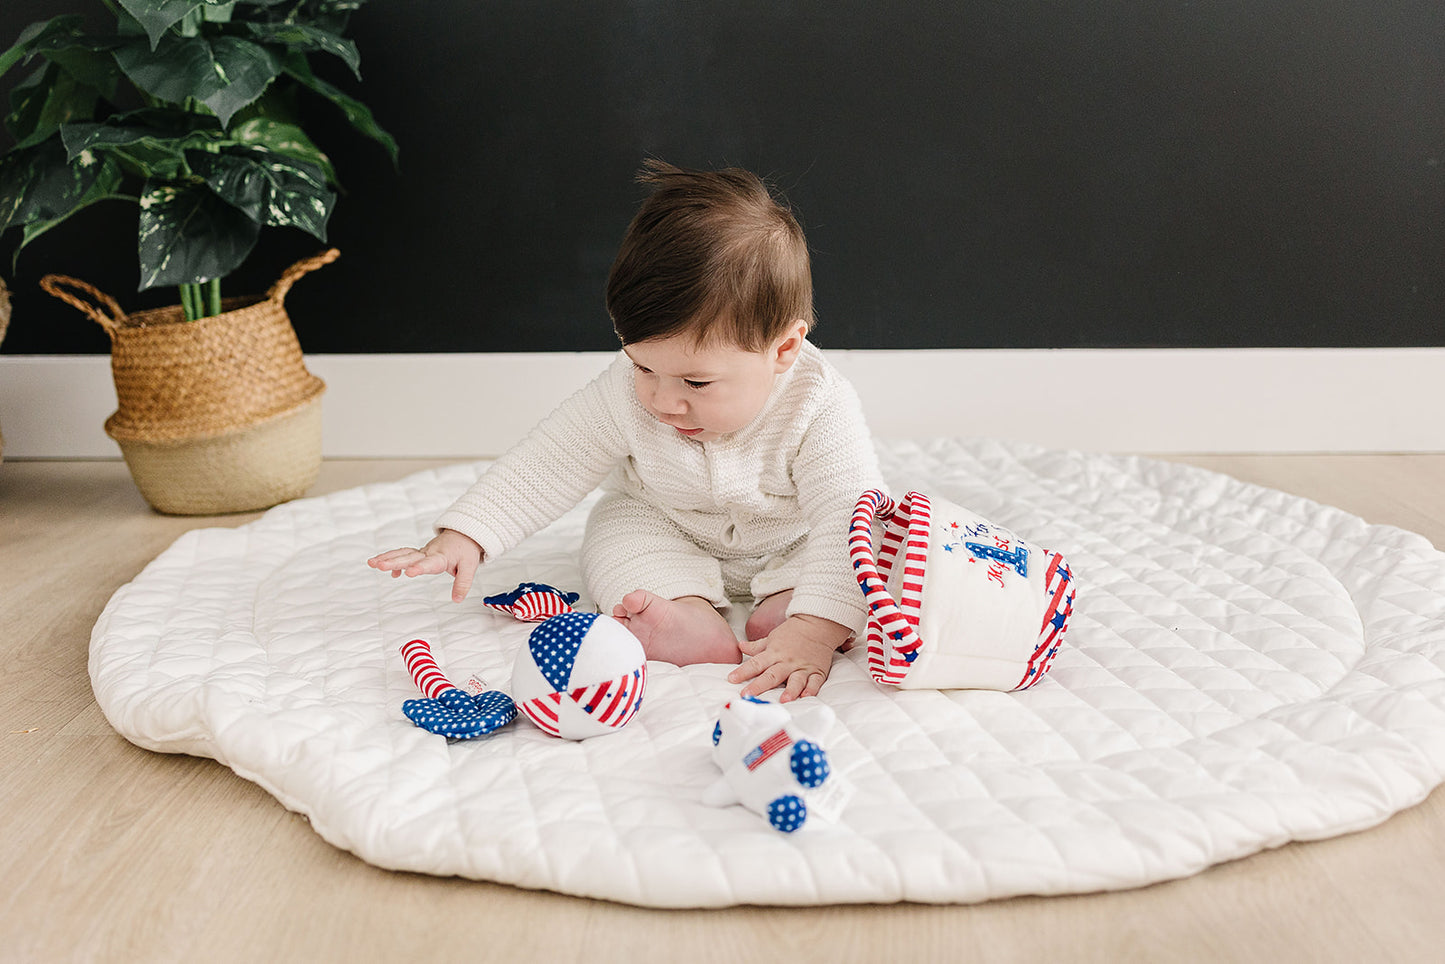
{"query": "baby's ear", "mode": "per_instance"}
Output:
(789, 345)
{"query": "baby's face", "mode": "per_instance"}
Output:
(706, 393)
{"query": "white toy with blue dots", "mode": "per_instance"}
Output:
(770, 765)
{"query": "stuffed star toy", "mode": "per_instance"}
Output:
(448, 710)
(532, 602)
(768, 764)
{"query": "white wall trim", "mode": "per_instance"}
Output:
(1134, 400)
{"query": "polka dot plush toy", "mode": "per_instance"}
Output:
(580, 675)
(449, 710)
(768, 765)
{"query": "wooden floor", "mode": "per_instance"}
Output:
(112, 853)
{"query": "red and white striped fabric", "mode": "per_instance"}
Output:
(545, 711)
(612, 703)
(908, 532)
(424, 670)
(954, 601)
(532, 602)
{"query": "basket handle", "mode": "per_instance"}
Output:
(94, 300)
(889, 658)
(298, 271)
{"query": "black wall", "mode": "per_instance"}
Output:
(971, 173)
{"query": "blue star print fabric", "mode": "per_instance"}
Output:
(458, 715)
(554, 646)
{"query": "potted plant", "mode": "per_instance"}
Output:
(190, 109)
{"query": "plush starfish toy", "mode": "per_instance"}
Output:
(448, 710)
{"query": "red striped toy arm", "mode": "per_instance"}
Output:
(424, 669)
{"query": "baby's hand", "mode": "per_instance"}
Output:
(797, 656)
(450, 552)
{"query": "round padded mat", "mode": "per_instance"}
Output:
(1244, 668)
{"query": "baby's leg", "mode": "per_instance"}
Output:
(769, 614)
(772, 587)
(681, 631)
(641, 568)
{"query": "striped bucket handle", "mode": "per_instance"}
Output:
(907, 526)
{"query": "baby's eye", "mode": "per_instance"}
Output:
(692, 384)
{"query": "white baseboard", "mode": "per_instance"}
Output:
(1135, 400)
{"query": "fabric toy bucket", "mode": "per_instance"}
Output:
(955, 601)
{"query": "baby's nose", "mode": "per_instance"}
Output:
(670, 402)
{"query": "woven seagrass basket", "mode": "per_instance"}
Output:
(215, 415)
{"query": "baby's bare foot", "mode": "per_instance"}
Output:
(678, 631)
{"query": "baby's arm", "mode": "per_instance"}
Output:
(797, 656)
(835, 464)
(450, 552)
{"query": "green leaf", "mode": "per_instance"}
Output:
(40, 108)
(356, 112)
(158, 16)
(90, 65)
(62, 41)
(277, 192)
(299, 36)
(172, 120)
(189, 235)
(249, 70)
(27, 100)
(224, 73)
(105, 188)
(40, 184)
(46, 31)
(218, 11)
(151, 142)
(282, 138)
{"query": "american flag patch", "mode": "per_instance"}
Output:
(760, 754)
(612, 702)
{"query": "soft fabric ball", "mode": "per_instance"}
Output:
(580, 675)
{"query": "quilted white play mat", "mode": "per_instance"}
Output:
(1244, 668)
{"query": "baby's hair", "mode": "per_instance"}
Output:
(712, 254)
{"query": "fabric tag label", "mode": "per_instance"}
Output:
(829, 800)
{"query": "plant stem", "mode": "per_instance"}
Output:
(213, 297)
(188, 302)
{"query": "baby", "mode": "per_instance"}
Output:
(729, 450)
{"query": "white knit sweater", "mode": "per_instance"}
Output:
(796, 470)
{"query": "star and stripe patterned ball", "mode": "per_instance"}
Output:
(580, 675)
